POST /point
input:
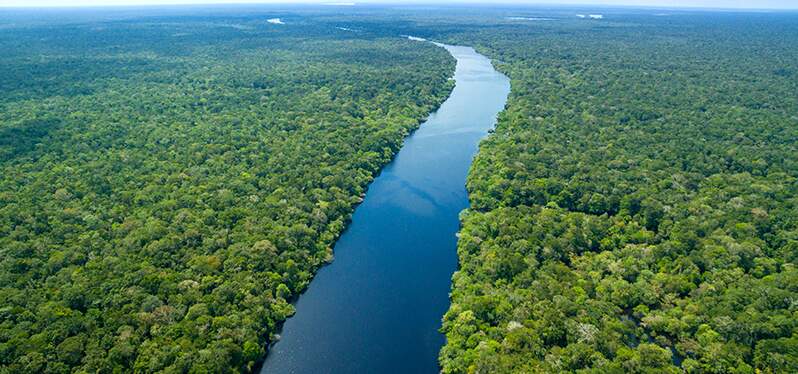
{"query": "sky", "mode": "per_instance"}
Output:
(756, 4)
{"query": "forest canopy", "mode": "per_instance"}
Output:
(168, 183)
(636, 210)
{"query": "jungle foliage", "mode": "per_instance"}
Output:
(636, 210)
(169, 183)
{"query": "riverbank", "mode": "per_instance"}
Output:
(378, 306)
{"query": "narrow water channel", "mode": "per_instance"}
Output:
(377, 308)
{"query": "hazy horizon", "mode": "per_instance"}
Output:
(721, 4)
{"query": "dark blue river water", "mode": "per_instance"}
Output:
(377, 308)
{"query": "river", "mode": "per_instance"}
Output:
(377, 308)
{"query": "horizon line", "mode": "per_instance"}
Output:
(397, 3)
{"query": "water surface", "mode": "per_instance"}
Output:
(377, 308)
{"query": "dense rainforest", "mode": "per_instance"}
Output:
(636, 209)
(169, 182)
